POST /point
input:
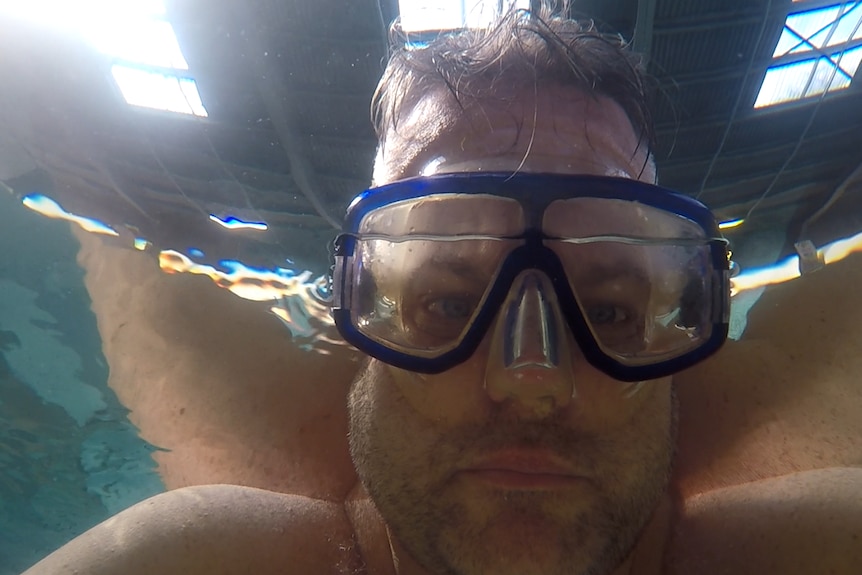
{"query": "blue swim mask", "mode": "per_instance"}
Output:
(637, 274)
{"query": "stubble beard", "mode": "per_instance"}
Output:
(405, 465)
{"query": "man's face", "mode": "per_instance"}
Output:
(484, 469)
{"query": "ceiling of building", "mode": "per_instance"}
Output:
(288, 141)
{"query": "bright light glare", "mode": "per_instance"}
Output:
(69, 13)
(783, 271)
(48, 207)
(788, 269)
(840, 249)
(428, 15)
(731, 224)
(158, 91)
(234, 223)
(148, 42)
(83, 15)
(131, 30)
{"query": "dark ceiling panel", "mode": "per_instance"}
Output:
(700, 10)
(325, 66)
(727, 45)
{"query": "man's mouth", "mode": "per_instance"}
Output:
(523, 469)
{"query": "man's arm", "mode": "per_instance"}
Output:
(213, 529)
(806, 523)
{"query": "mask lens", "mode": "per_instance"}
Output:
(641, 276)
(425, 267)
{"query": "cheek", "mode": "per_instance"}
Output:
(383, 422)
(604, 404)
(393, 449)
(448, 399)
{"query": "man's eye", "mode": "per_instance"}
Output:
(437, 319)
(620, 328)
(606, 314)
(451, 307)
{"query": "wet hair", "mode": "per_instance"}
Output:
(523, 49)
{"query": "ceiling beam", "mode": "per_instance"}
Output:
(642, 41)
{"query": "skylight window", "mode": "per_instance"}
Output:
(818, 51)
(158, 91)
(148, 62)
(434, 15)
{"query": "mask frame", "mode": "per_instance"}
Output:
(535, 192)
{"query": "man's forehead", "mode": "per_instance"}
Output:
(556, 129)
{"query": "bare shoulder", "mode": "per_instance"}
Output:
(213, 529)
(807, 522)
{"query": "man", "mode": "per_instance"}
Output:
(524, 303)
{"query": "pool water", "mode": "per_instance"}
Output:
(69, 457)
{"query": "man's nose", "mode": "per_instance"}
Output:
(529, 361)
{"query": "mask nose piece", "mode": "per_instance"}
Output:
(529, 359)
(531, 336)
